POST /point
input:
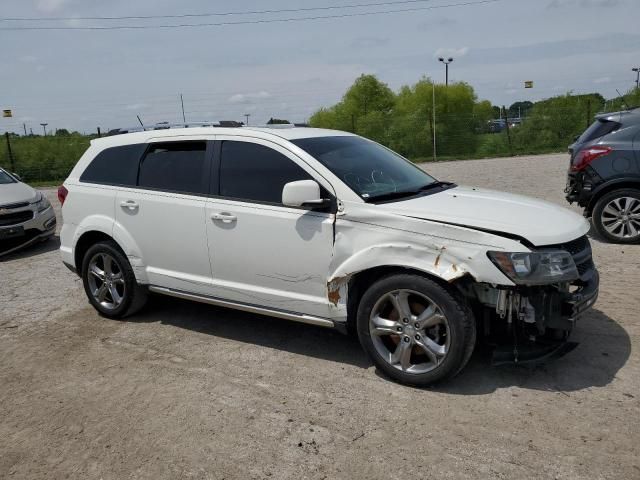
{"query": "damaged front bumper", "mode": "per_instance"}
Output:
(533, 324)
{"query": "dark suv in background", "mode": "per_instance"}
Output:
(604, 175)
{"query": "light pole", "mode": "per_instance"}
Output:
(446, 67)
(247, 115)
(637, 70)
(44, 128)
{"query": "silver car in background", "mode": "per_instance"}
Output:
(26, 216)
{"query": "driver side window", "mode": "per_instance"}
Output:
(253, 172)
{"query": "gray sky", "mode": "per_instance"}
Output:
(84, 79)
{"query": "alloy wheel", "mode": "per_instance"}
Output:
(621, 217)
(106, 281)
(409, 331)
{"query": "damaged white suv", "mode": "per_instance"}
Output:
(330, 229)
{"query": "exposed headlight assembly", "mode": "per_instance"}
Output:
(536, 268)
(41, 203)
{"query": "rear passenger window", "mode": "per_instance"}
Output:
(598, 129)
(175, 167)
(115, 166)
(249, 171)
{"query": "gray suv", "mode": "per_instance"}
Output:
(604, 175)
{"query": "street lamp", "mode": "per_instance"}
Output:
(446, 67)
(247, 115)
(637, 70)
(44, 128)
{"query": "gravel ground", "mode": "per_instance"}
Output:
(191, 391)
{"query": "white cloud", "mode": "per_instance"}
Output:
(50, 6)
(451, 52)
(136, 106)
(602, 80)
(248, 97)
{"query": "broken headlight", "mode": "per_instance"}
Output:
(41, 202)
(536, 268)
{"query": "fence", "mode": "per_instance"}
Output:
(40, 159)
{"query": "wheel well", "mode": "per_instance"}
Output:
(84, 243)
(635, 184)
(360, 281)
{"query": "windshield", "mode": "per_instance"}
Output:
(5, 178)
(369, 169)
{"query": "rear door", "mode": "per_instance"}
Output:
(263, 252)
(164, 214)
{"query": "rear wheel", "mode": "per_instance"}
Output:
(109, 281)
(415, 330)
(616, 216)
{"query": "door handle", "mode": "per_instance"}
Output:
(224, 217)
(130, 204)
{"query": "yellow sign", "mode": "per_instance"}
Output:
(528, 84)
(7, 113)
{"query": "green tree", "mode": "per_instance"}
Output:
(365, 109)
(520, 109)
(552, 124)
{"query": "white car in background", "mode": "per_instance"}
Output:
(330, 229)
(26, 216)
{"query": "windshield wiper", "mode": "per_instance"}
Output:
(407, 193)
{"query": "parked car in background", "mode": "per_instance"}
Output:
(331, 229)
(604, 175)
(26, 216)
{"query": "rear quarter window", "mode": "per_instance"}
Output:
(598, 129)
(115, 166)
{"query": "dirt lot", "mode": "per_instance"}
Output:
(191, 391)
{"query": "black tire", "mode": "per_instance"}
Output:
(461, 327)
(134, 296)
(599, 210)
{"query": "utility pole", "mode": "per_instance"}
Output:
(637, 70)
(247, 115)
(506, 118)
(44, 128)
(184, 120)
(433, 99)
(446, 68)
(24, 125)
(9, 152)
(99, 134)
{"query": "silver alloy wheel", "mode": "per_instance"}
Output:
(621, 217)
(409, 331)
(106, 281)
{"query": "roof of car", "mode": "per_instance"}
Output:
(287, 132)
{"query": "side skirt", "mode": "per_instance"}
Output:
(246, 307)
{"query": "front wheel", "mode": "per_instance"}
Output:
(414, 330)
(109, 281)
(616, 216)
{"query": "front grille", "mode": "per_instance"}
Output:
(580, 250)
(14, 205)
(15, 218)
(584, 267)
(575, 246)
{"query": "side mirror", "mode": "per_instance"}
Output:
(303, 193)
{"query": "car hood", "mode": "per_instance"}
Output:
(16, 193)
(538, 221)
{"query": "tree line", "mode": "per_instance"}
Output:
(407, 120)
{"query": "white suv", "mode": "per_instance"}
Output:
(326, 228)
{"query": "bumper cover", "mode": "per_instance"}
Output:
(15, 237)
